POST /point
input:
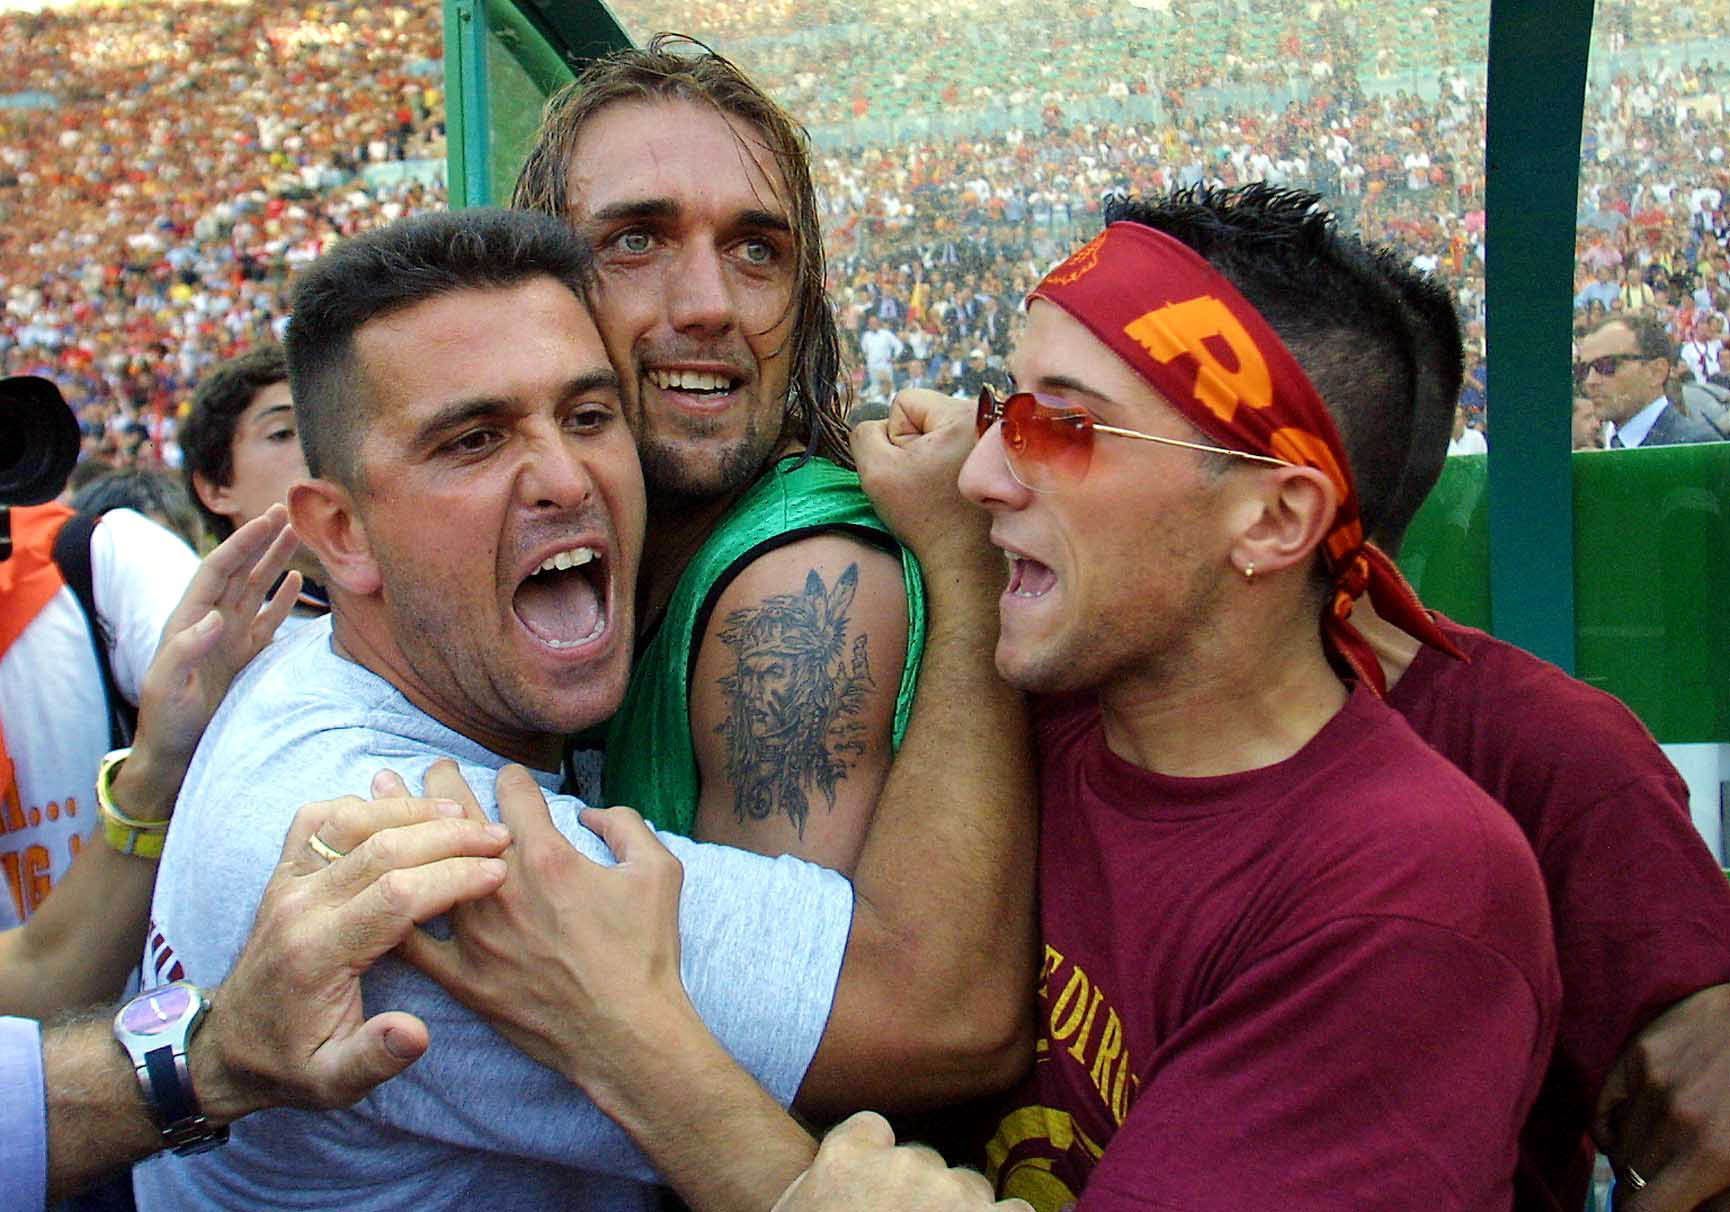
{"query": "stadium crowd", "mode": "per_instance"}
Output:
(1214, 781)
(1335, 97)
(193, 155)
(165, 167)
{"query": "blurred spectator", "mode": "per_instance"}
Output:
(1587, 429)
(54, 705)
(1710, 402)
(150, 491)
(1703, 353)
(87, 471)
(239, 447)
(1465, 440)
(1602, 289)
(241, 453)
(880, 347)
(977, 373)
(134, 445)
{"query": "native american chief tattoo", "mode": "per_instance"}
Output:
(793, 699)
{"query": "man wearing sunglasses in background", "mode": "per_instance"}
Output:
(1625, 366)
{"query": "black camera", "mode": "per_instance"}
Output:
(38, 440)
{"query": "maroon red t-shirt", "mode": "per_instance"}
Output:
(1641, 909)
(1325, 984)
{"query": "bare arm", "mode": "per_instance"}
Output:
(1664, 1111)
(935, 1002)
(78, 947)
(793, 700)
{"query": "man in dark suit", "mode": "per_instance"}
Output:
(1625, 366)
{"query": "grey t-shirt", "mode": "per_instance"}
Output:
(474, 1123)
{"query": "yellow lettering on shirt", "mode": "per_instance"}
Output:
(1079, 1048)
(1053, 958)
(1072, 1001)
(1083, 1021)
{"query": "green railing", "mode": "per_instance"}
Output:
(503, 58)
(1651, 530)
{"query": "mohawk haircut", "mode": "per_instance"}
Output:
(1440, 366)
(1328, 296)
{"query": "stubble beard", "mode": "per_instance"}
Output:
(446, 655)
(673, 474)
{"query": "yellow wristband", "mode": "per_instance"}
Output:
(143, 839)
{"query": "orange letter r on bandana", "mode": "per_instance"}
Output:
(1180, 328)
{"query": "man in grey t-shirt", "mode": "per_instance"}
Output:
(479, 512)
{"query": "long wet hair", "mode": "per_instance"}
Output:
(675, 67)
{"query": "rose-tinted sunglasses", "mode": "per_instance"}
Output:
(1048, 442)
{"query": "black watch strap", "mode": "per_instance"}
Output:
(169, 1096)
(156, 1029)
(184, 1128)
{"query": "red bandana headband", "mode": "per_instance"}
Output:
(1186, 331)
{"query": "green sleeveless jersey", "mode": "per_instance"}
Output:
(651, 763)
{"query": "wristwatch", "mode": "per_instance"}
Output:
(155, 1028)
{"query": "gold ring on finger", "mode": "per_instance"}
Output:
(324, 849)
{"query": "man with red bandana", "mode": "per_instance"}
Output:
(1292, 957)
(1580, 775)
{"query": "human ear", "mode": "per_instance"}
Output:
(323, 514)
(218, 498)
(1283, 518)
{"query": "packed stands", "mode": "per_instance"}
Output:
(164, 166)
(959, 157)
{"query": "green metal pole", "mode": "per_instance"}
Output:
(1537, 77)
(468, 132)
(579, 30)
(528, 44)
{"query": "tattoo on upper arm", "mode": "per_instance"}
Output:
(794, 699)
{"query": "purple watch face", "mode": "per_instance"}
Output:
(154, 1012)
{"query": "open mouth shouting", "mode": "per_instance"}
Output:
(565, 602)
(1028, 578)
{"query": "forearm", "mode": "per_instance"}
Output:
(689, 1106)
(935, 1001)
(77, 949)
(97, 1120)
